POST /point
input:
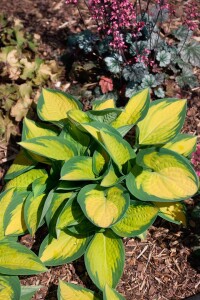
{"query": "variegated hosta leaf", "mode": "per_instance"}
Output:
(9, 288)
(68, 186)
(14, 223)
(37, 158)
(110, 293)
(27, 292)
(99, 159)
(77, 137)
(51, 147)
(5, 199)
(103, 104)
(163, 121)
(16, 259)
(137, 219)
(110, 178)
(53, 105)
(101, 206)
(84, 226)
(135, 109)
(124, 130)
(32, 129)
(57, 203)
(20, 165)
(142, 236)
(70, 291)
(24, 180)
(45, 207)
(119, 149)
(104, 259)
(167, 176)
(183, 144)
(94, 127)
(71, 214)
(77, 116)
(66, 248)
(78, 168)
(173, 212)
(39, 185)
(33, 211)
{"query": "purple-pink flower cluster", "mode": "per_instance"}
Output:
(196, 160)
(163, 4)
(144, 57)
(192, 14)
(115, 17)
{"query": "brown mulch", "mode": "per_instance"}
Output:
(158, 268)
(162, 267)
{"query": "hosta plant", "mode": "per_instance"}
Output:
(78, 175)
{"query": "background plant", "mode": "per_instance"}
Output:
(131, 46)
(22, 72)
(78, 175)
(196, 160)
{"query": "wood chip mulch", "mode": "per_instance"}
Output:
(161, 267)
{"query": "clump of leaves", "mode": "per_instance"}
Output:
(21, 73)
(147, 56)
(77, 174)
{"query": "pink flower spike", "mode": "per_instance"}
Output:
(195, 160)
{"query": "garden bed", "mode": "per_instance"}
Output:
(163, 265)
